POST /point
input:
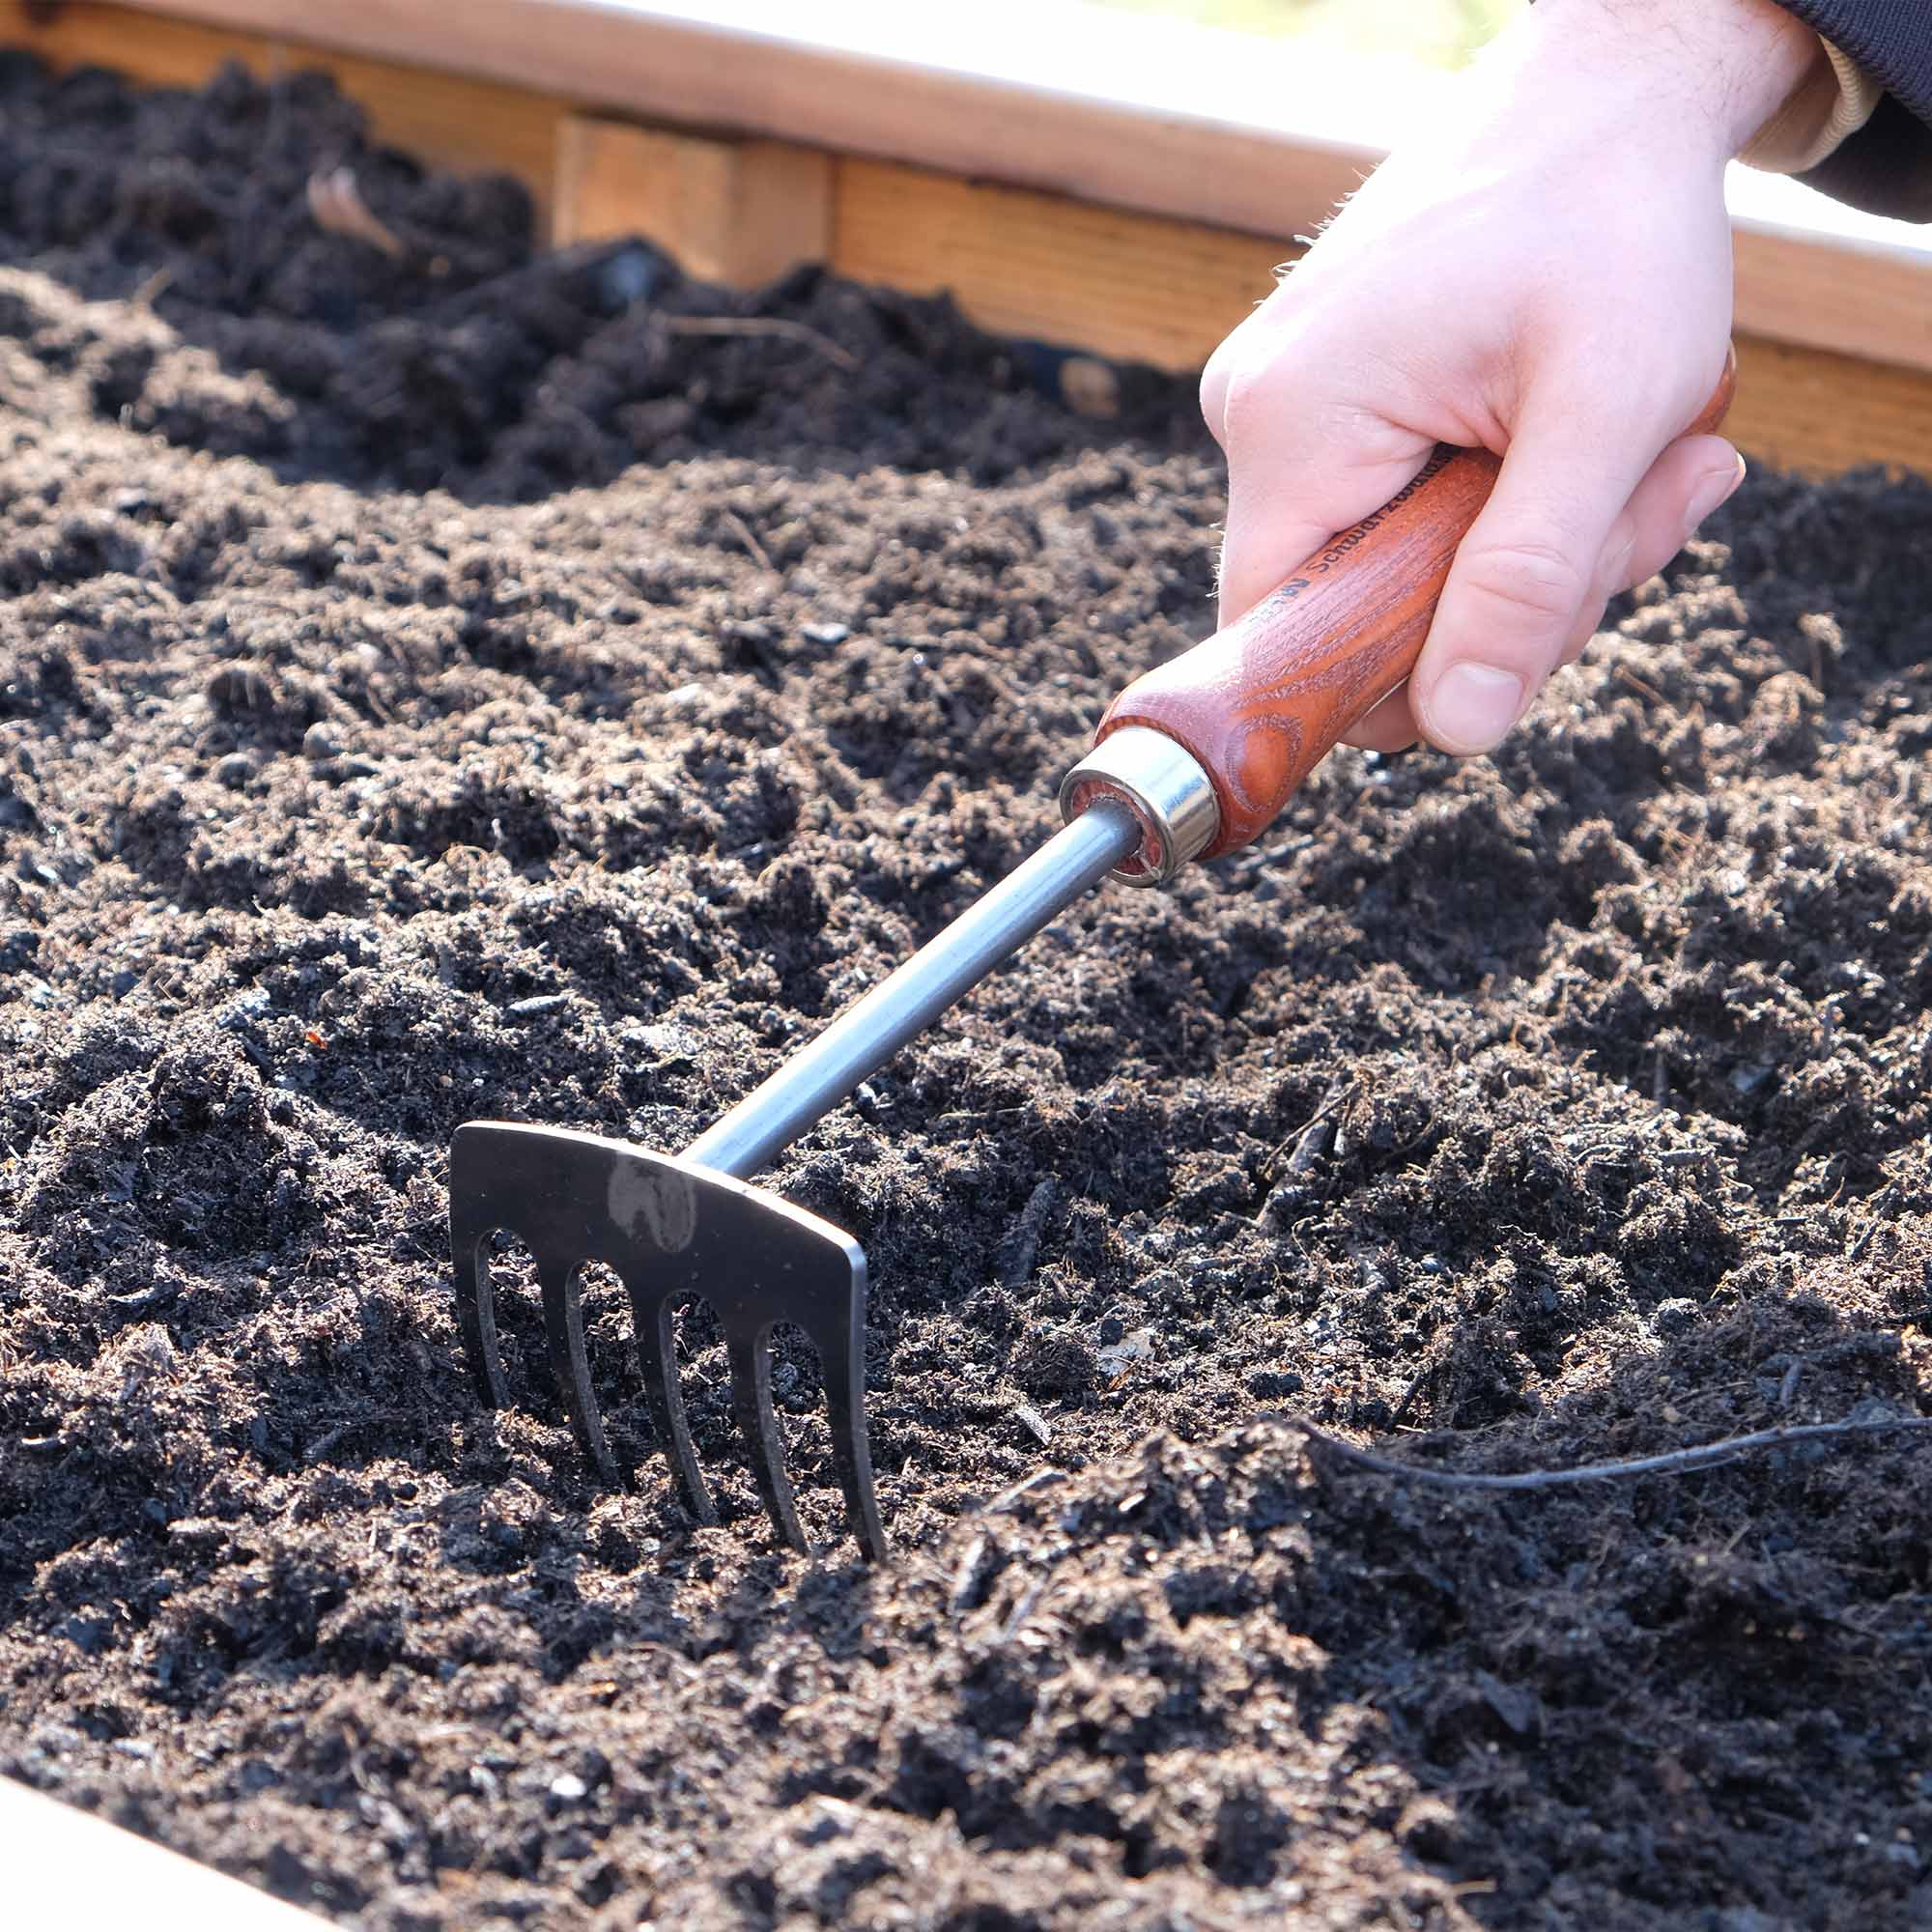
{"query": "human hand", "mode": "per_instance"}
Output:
(1546, 273)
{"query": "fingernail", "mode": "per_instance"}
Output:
(1715, 488)
(1473, 708)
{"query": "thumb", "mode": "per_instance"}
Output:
(1522, 576)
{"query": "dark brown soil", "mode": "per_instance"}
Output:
(447, 688)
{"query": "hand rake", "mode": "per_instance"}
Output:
(1193, 760)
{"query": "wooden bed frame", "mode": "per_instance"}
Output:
(1101, 181)
(66, 1866)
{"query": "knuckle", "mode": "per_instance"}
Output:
(1214, 393)
(1527, 578)
(1247, 390)
(1257, 372)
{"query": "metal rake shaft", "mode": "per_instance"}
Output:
(898, 1008)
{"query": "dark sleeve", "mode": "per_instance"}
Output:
(1887, 166)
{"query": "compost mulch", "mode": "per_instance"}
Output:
(456, 685)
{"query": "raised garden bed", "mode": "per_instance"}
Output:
(1072, 173)
(451, 685)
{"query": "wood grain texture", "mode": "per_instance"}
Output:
(1145, 289)
(973, 95)
(1873, 302)
(735, 212)
(1261, 703)
(1224, 130)
(1820, 414)
(1139, 287)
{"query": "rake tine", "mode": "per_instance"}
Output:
(671, 1226)
(750, 1358)
(564, 1324)
(841, 1357)
(651, 1324)
(477, 1310)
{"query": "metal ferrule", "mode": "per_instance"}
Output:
(1166, 787)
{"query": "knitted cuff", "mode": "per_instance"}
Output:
(1834, 101)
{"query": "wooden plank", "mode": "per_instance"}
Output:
(1139, 287)
(1145, 289)
(1815, 412)
(1856, 300)
(449, 119)
(70, 1867)
(1123, 283)
(1150, 115)
(734, 212)
(974, 90)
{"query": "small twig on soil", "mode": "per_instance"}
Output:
(1022, 1243)
(1254, 861)
(1626, 677)
(1032, 1422)
(1676, 1462)
(975, 1571)
(1314, 1136)
(1040, 1479)
(748, 537)
(761, 325)
(337, 205)
(1423, 1376)
(1887, 1201)
(146, 1298)
(1310, 1138)
(331, 1438)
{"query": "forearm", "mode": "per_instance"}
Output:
(1712, 71)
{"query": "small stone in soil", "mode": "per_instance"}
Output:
(1118, 1356)
(1033, 1421)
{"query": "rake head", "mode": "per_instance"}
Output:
(671, 1229)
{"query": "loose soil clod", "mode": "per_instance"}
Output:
(395, 727)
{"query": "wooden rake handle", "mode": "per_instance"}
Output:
(1262, 703)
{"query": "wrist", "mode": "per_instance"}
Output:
(1707, 72)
